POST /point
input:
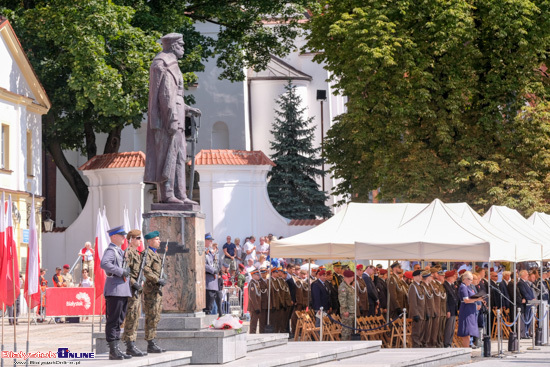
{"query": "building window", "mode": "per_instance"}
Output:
(5, 152)
(220, 136)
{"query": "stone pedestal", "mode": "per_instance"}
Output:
(184, 293)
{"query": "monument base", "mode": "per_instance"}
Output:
(207, 346)
(176, 207)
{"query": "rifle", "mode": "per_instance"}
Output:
(162, 266)
(124, 265)
(141, 276)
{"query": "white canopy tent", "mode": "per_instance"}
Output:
(526, 249)
(510, 221)
(435, 233)
(541, 221)
(335, 238)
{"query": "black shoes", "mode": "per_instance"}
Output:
(152, 347)
(133, 351)
(115, 353)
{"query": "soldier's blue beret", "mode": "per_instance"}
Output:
(153, 234)
(116, 230)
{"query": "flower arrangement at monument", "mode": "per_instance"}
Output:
(227, 322)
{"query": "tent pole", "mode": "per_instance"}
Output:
(269, 295)
(309, 281)
(388, 298)
(489, 314)
(515, 291)
(541, 310)
(355, 309)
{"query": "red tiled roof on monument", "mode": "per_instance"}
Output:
(306, 222)
(115, 160)
(229, 157)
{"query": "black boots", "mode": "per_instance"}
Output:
(132, 350)
(115, 353)
(152, 347)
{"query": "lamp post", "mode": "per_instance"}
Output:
(321, 97)
(48, 222)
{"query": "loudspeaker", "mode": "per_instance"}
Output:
(321, 94)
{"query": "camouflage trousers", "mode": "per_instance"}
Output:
(132, 320)
(346, 331)
(152, 306)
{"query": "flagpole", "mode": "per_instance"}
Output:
(3, 317)
(100, 315)
(14, 258)
(14, 307)
(28, 325)
(93, 319)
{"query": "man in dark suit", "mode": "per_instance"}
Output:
(320, 295)
(503, 287)
(371, 290)
(496, 301)
(452, 307)
(526, 294)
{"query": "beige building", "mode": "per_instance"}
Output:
(23, 102)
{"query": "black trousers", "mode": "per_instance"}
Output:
(115, 312)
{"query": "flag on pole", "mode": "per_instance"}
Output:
(32, 273)
(9, 278)
(127, 228)
(137, 225)
(101, 243)
(3, 257)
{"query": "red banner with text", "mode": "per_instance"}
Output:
(72, 302)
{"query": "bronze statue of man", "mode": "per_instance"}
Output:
(166, 144)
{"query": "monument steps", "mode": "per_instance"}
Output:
(305, 354)
(262, 341)
(168, 359)
(418, 357)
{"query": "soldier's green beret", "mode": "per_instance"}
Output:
(153, 234)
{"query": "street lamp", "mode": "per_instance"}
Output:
(48, 222)
(321, 97)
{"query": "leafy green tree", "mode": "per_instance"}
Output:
(436, 95)
(93, 56)
(292, 187)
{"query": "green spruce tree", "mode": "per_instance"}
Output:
(292, 187)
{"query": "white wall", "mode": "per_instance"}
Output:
(113, 189)
(235, 201)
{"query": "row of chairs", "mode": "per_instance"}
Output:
(374, 328)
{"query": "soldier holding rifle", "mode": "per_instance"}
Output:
(152, 290)
(136, 264)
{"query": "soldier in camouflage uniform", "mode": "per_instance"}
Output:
(348, 304)
(152, 293)
(133, 259)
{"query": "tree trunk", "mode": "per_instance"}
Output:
(112, 145)
(76, 182)
(91, 147)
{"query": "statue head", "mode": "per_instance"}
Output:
(173, 43)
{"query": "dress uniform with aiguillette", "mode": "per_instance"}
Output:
(254, 300)
(152, 291)
(417, 309)
(116, 291)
